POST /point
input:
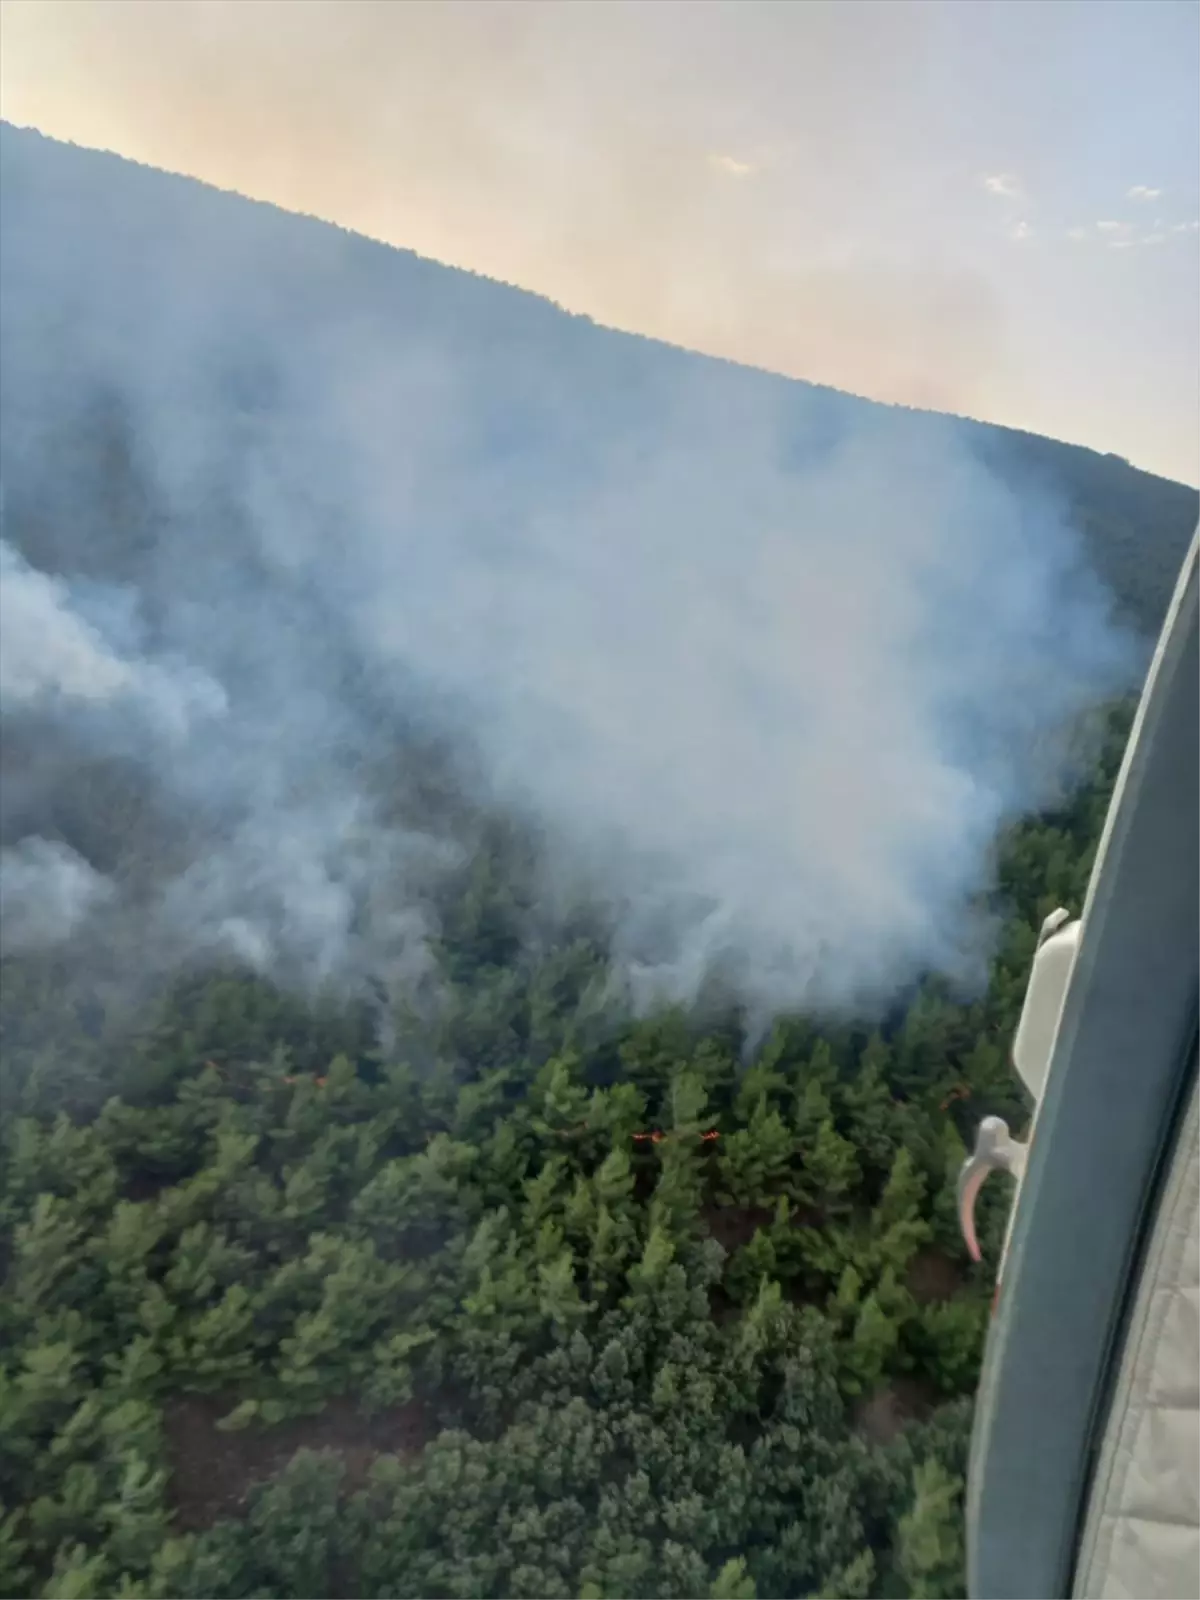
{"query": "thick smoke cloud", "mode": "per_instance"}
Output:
(764, 668)
(46, 892)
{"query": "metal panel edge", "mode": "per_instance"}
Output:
(1120, 1049)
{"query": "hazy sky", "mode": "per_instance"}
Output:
(985, 206)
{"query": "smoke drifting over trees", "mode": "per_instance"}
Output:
(761, 668)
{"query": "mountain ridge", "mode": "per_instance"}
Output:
(358, 239)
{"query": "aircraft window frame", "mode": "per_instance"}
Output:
(1122, 1056)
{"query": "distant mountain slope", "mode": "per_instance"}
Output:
(564, 382)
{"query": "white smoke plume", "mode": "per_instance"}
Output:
(46, 892)
(50, 653)
(765, 667)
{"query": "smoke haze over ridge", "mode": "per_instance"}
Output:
(764, 669)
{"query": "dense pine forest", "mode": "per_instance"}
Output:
(534, 1309)
(364, 1229)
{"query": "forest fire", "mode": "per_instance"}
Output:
(656, 1136)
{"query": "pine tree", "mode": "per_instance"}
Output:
(897, 1226)
(829, 1172)
(749, 1266)
(733, 1582)
(871, 1344)
(929, 1539)
(560, 1101)
(755, 1163)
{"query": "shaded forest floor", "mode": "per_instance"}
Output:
(882, 1415)
(212, 1472)
(933, 1276)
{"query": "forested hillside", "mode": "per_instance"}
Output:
(465, 1134)
(518, 1311)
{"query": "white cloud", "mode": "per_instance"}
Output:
(1120, 244)
(1005, 184)
(1185, 227)
(1113, 227)
(1020, 232)
(731, 167)
(1141, 192)
(1154, 238)
(1077, 233)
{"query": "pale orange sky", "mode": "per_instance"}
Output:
(988, 207)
